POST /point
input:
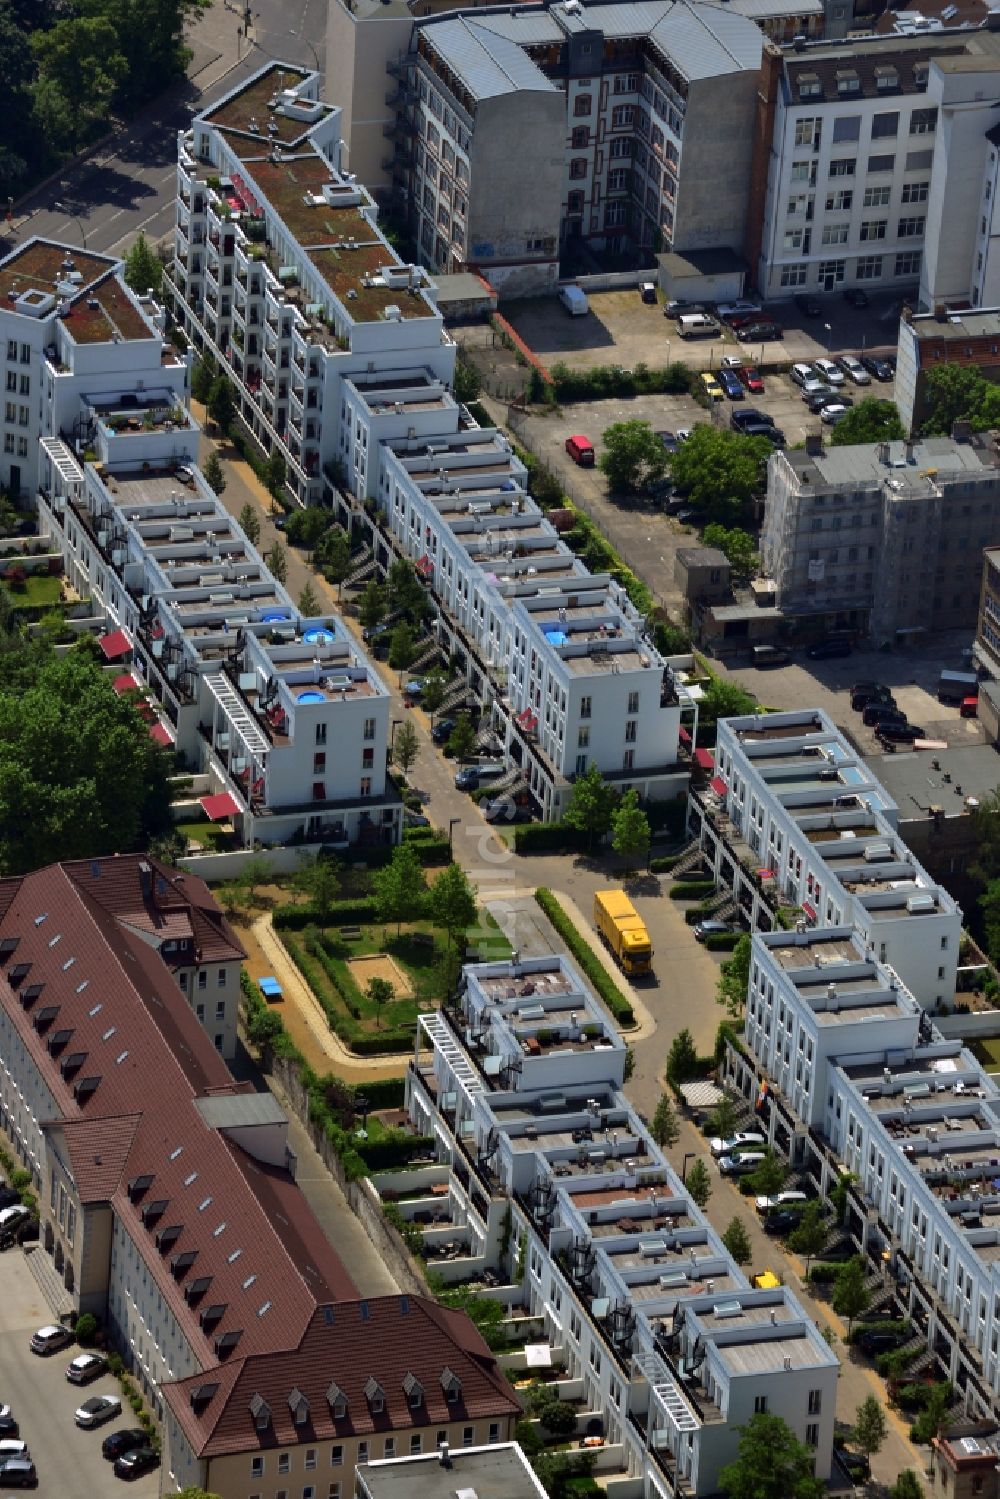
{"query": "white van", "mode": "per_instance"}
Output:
(574, 299)
(696, 325)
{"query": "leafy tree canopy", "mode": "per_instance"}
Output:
(632, 456)
(736, 545)
(959, 392)
(871, 420)
(772, 1464)
(591, 805)
(720, 471)
(143, 271)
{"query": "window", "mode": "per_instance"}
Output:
(622, 116)
(390, 1447)
(844, 166)
(574, 203)
(25, 385)
(369, 728)
(22, 447)
(615, 215)
(908, 264)
(886, 126)
(804, 172)
(220, 1010)
(366, 785)
(910, 228)
(70, 1222)
(631, 727)
(881, 164)
(923, 121)
(8, 442)
(877, 197)
(203, 978)
(760, 1405)
(319, 763)
(583, 737)
(415, 1445)
(26, 351)
(915, 192)
(583, 104)
(310, 1461)
(808, 131)
(840, 201)
(581, 765)
(362, 1452)
(368, 759)
(333, 1492)
(468, 1434)
(494, 1435)
(585, 707)
(832, 270)
(628, 760)
(626, 83)
(284, 1462)
(793, 275)
(812, 1434)
(580, 137)
(578, 167)
(308, 1491)
(633, 702)
(256, 1467)
(944, 944)
(919, 161)
(873, 229)
(836, 234)
(12, 381)
(815, 1402)
(336, 1456)
(321, 733)
(221, 978)
(12, 348)
(846, 128)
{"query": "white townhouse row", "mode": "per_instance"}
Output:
(861, 1069)
(794, 819)
(341, 363)
(655, 1327)
(283, 715)
(71, 332)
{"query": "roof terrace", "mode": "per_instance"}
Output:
(43, 265)
(261, 104)
(107, 314)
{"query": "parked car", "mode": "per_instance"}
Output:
(817, 399)
(97, 1410)
(713, 929)
(800, 373)
(969, 707)
(744, 1139)
(677, 309)
(120, 1442)
(898, 733)
(9, 1197)
(581, 450)
(854, 369)
(742, 307)
(18, 1473)
(133, 1464)
(669, 441)
(810, 306)
(85, 1367)
(647, 291)
(759, 333)
(442, 730)
(856, 296)
(9, 1428)
(749, 416)
(50, 1339)
(683, 433)
(753, 380)
(764, 656)
(415, 819)
(832, 414)
(731, 362)
(731, 384)
(828, 371)
(863, 693)
(781, 1222)
(711, 385)
(741, 1165)
(875, 713)
(774, 435)
(471, 777)
(778, 1201)
(11, 1218)
(505, 809)
(876, 365)
(827, 650)
(871, 1341)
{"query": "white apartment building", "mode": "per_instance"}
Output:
(72, 332)
(794, 818)
(659, 1331)
(850, 1056)
(877, 163)
(885, 539)
(283, 717)
(635, 122)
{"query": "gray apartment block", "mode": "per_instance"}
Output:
(886, 538)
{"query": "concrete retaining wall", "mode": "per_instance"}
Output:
(230, 866)
(612, 280)
(969, 1027)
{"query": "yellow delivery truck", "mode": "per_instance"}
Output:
(624, 930)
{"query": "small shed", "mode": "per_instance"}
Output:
(702, 573)
(702, 275)
(464, 295)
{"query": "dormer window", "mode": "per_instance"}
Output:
(299, 1407)
(414, 1391)
(337, 1401)
(848, 81)
(451, 1384)
(810, 86)
(375, 1395)
(261, 1412)
(886, 78)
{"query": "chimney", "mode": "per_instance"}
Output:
(145, 882)
(444, 1455)
(940, 312)
(814, 444)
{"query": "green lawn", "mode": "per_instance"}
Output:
(987, 1051)
(39, 591)
(209, 835)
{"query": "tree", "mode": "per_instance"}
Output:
(737, 1241)
(203, 377)
(871, 420)
(249, 523)
(434, 685)
(17, 71)
(870, 1426)
(334, 557)
(666, 1130)
(720, 471)
(372, 604)
(220, 405)
(734, 978)
(633, 455)
(214, 476)
(467, 381)
(462, 739)
(399, 888)
(723, 1121)
(630, 830)
(309, 604)
(85, 1330)
(306, 527)
(769, 1177)
(907, 1486)
(277, 561)
(737, 546)
(406, 592)
(591, 804)
(402, 646)
(379, 992)
(699, 1184)
(989, 905)
(682, 1059)
(952, 393)
(850, 1294)
(256, 872)
(80, 66)
(724, 699)
(453, 902)
(809, 1236)
(318, 878)
(406, 746)
(143, 271)
(79, 774)
(275, 474)
(772, 1464)
(932, 1418)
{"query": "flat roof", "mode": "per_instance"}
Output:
(916, 785)
(41, 263)
(251, 103)
(493, 1473)
(913, 465)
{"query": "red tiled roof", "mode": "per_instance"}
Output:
(172, 906)
(385, 1339)
(146, 1055)
(98, 1150)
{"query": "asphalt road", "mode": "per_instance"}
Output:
(130, 185)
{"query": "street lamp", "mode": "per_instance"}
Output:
(827, 329)
(452, 825)
(688, 1156)
(60, 207)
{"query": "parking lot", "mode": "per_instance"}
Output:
(68, 1460)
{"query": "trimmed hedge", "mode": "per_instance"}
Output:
(611, 380)
(547, 838)
(664, 863)
(430, 846)
(824, 1274)
(586, 960)
(318, 975)
(358, 912)
(692, 889)
(721, 941)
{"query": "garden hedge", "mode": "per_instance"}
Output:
(692, 889)
(721, 941)
(586, 959)
(358, 912)
(547, 838)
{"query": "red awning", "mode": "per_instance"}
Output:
(114, 645)
(125, 683)
(161, 734)
(766, 874)
(718, 785)
(810, 910)
(217, 808)
(683, 735)
(704, 759)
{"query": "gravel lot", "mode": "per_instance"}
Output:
(68, 1460)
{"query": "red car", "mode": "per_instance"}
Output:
(753, 380)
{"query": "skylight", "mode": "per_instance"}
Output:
(234, 1256)
(109, 1033)
(94, 1009)
(203, 1205)
(264, 1307)
(249, 1282)
(221, 1229)
(68, 964)
(80, 987)
(39, 919)
(55, 939)
(119, 1059)
(192, 1178)
(175, 1153)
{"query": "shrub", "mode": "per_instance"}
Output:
(722, 941)
(692, 889)
(823, 1274)
(586, 960)
(547, 838)
(663, 863)
(86, 1329)
(358, 912)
